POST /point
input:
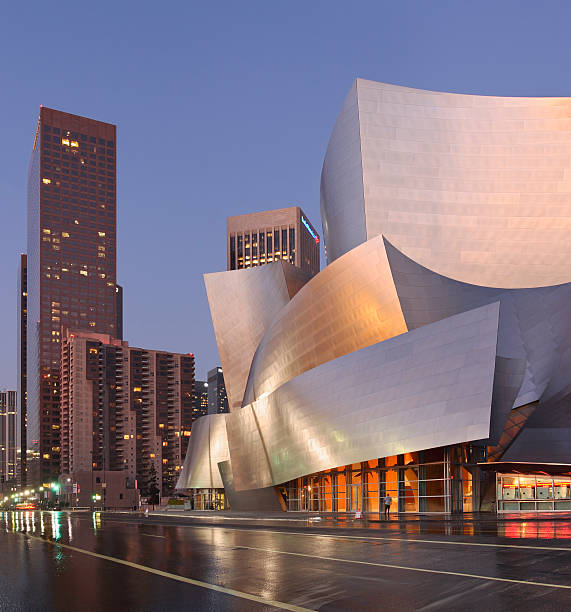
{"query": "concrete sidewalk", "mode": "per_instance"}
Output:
(476, 517)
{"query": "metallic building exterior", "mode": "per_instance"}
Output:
(443, 316)
(243, 303)
(476, 188)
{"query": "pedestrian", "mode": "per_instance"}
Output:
(388, 502)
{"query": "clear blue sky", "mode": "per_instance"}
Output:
(224, 108)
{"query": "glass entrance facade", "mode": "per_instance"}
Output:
(436, 480)
(533, 493)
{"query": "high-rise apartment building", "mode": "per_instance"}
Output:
(200, 398)
(217, 397)
(258, 238)
(71, 263)
(8, 439)
(21, 366)
(124, 408)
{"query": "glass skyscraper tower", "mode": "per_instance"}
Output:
(71, 263)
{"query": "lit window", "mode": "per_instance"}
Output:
(74, 143)
(65, 235)
(91, 323)
(47, 231)
(165, 460)
(101, 255)
(126, 437)
(165, 443)
(46, 181)
(137, 389)
(76, 221)
(101, 234)
(93, 351)
(46, 456)
(65, 141)
(187, 433)
(83, 272)
(152, 455)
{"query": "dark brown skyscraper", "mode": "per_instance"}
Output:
(71, 262)
(22, 373)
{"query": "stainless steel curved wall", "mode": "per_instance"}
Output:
(208, 447)
(476, 188)
(349, 305)
(243, 303)
(427, 388)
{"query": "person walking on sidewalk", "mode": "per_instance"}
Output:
(388, 502)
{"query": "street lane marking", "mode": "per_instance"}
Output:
(375, 538)
(355, 537)
(150, 535)
(410, 569)
(199, 583)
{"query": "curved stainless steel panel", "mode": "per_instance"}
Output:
(427, 388)
(208, 446)
(243, 303)
(535, 324)
(476, 188)
(349, 305)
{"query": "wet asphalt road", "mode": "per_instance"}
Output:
(63, 561)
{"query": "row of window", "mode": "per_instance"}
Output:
(78, 136)
(246, 249)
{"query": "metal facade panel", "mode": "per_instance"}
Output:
(427, 388)
(535, 324)
(342, 201)
(476, 188)
(243, 303)
(349, 305)
(208, 446)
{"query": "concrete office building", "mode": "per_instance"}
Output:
(217, 397)
(124, 409)
(8, 440)
(71, 263)
(429, 359)
(283, 234)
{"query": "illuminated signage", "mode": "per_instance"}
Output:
(314, 235)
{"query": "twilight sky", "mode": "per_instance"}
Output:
(225, 108)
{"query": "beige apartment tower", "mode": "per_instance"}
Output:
(259, 238)
(124, 409)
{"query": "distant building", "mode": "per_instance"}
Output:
(217, 398)
(71, 262)
(8, 438)
(258, 238)
(22, 367)
(200, 399)
(124, 409)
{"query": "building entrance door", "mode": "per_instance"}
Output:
(356, 501)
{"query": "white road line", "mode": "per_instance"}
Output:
(380, 538)
(150, 535)
(199, 583)
(367, 538)
(410, 569)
